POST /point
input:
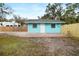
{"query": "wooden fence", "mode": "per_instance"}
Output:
(71, 29)
(13, 29)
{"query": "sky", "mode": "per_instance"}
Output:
(28, 10)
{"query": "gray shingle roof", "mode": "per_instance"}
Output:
(43, 21)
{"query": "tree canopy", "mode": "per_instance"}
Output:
(4, 10)
(68, 12)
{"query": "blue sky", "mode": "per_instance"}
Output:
(28, 10)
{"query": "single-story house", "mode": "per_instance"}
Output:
(44, 26)
(9, 24)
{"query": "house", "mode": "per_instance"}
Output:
(9, 24)
(44, 26)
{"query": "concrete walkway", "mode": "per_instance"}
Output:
(25, 34)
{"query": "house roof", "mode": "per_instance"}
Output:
(43, 21)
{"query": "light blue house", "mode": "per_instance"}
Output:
(44, 26)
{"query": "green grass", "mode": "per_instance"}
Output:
(11, 45)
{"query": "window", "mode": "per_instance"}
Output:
(11, 25)
(34, 25)
(52, 25)
(7, 25)
(18, 25)
(1, 24)
(15, 25)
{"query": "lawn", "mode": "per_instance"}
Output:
(11, 45)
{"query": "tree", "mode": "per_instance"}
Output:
(19, 19)
(53, 11)
(67, 12)
(77, 17)
(4, 10)
(46, 16)
(70, 14)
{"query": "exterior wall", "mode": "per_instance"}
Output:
(33, 30)
(48, 28)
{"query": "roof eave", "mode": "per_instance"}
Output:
(44, 22)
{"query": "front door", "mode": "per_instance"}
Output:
(42, 28)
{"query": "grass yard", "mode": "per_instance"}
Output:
(11, 45)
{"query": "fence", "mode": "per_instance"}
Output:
(13, 29)
(71, 29)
